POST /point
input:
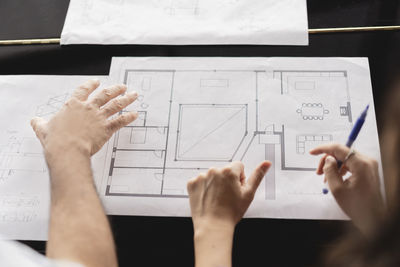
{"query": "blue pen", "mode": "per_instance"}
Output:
(353, 136)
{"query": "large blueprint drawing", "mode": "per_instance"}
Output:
(197, 113)
(194, 113)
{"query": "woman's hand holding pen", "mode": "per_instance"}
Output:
(359, 196)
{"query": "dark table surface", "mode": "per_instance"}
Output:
(152, 241)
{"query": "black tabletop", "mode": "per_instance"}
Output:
(153, 241)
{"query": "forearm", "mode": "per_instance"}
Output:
(77, 215)
(218, 200)
(213, 245)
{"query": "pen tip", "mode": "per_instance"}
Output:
(366, 110)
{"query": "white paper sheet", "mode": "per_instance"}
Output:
(196, 113)
(185, 22)
(24, 183)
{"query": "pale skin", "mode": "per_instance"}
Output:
(220, 197)
(79, 230)
(218, 200)
(359, 196)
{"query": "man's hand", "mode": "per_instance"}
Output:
(359, 196)
(83, 124)
(79, 230)
(218, 200)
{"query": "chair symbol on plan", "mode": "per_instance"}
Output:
(312, 111)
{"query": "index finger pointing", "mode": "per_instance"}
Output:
(257, 176)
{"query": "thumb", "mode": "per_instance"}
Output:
(38, 126)
(332, 175)
(256, 177)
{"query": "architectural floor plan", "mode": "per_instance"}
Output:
(194, 113)
(183, 129)
(193, 118)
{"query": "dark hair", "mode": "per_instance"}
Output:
(382, 247)
(390, 141)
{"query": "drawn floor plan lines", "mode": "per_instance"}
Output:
(313, 92)
(194, 113)
(183, 8)
(171, 151)
(24, 176)
(183, 22)
(185, 128)
(301, 140)
(228, 120)
(312, 111)
(52, 106)
(21, 155)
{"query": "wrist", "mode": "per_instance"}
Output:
(213, 243)
(65, 157)
(212, 226)
(56, 151)
(67, 166)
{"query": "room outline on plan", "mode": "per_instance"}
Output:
(190, 120)
(20, 155)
